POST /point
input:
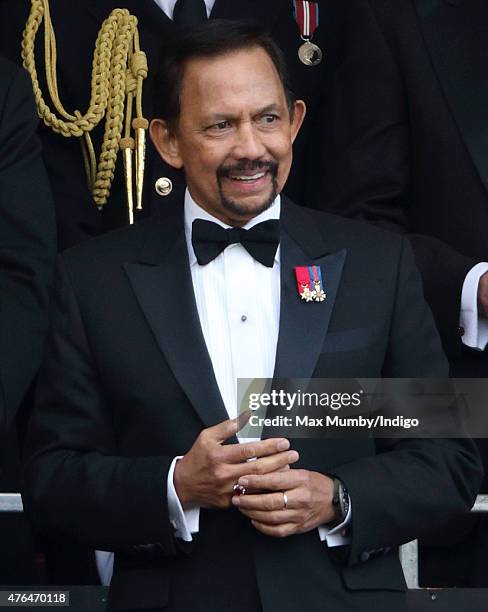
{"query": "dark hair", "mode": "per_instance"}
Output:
(213, 38)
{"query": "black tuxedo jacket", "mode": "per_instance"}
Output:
(76, 25)
(406, 144)
(127, 384)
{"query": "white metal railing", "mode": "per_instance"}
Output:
(11, 502)
(409, 552)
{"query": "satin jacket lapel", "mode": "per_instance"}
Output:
(303, 325)
(456, 35)
(161, 280)
(265, 13)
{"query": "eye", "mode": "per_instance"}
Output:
(220, 126)
(269, 119)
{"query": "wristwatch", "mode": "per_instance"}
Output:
(340, 502)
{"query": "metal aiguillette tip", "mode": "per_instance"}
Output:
(127, 145)
(140, 126)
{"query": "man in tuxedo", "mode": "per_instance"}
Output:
(27, 256)
(405, 147)
(132, 447)
(76, 25)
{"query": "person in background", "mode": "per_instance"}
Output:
(27, 254)
(76, 25)
(406, 147)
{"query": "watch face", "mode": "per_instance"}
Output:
(344, 500)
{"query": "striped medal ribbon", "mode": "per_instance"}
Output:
(307, 18)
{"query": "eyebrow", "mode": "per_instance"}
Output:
(215, 118)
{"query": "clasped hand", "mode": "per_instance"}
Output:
(206, 475)
(308, 501)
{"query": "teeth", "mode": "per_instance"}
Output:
(254, 177)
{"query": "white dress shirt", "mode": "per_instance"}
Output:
(168, 6)
(238, 303)
(475, 325)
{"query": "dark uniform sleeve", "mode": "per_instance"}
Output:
(27, 240)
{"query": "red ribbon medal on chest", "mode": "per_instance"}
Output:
(309, 283)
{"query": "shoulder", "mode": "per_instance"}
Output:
(393, 14)
(7, 69)
(13, 79)
(359, 237)
(97, 270)
(392, 18)
(111, 249)
(17, 106)
(371, 253)
(18, 116)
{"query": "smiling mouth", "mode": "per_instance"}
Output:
(245, 178)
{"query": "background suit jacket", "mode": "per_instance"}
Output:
(406, 144)
(127, 384)
(76, 25)
(406, 147)
(27, 254)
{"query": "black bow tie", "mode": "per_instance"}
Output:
(210, 239)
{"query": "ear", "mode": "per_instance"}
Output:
(166, 142)
(299, 112)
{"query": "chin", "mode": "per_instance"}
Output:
(247, 207)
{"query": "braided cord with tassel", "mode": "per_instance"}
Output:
(118, 71)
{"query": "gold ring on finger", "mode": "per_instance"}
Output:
(285, 501)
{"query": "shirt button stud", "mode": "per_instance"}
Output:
(243, 318)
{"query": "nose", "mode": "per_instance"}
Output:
(249, 144)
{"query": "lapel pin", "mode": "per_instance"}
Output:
(319, 293)
(309, 283)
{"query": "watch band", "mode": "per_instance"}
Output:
(340, 502)
(344, 500)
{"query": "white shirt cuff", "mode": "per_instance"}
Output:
(105, 566)
(475, 326)
(336, 536)
(184, 522)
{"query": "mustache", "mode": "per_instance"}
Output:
(248, 165)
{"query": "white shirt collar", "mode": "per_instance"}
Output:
(194, 211)
(168, 6)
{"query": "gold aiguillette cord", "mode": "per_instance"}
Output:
(118, 74)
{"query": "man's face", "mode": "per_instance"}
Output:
(235, 134)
